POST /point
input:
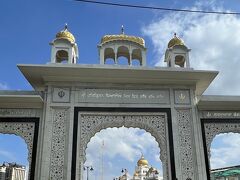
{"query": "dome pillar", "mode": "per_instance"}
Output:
(130, 56)
(143, 63)
(101, 54)
(115, 55)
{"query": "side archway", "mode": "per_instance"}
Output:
(13, 152)
(213, 127)
(27, 130)
(113, 149)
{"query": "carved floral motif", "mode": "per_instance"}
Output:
(185, 143)
(58, 144)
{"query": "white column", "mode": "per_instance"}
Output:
(143, 63)
(70, 55)
(101, 52)
(53, 54)
(115, 53)
(187, 59)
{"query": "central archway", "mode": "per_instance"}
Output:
(89, 123)
(114, 150)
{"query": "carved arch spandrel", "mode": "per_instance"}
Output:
(154, 123)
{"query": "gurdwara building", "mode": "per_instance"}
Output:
(143, 171)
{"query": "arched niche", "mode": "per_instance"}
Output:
(62, 56)
(137, 54)
(180, 60)
(109, 56)
(114, 140)
(123, 55)
(89, 123)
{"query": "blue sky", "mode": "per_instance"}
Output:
(26, 28)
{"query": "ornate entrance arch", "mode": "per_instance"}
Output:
(89, 123)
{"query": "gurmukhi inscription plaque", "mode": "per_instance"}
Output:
(123, 96)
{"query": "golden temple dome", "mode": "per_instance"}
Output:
(65, 34)
(123, 37)
(142, 162)
(175, 41)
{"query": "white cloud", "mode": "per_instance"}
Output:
(122, 147)
(7, 155)
(214, 40)
(225, 150)
(3, 86)
(123, 142)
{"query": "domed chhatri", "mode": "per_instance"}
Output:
(175, 41)
(142, 161)
(122, 45)
(65, 34)
(177, 53)
(64, 48)
(118, 49)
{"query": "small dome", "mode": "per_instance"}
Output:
(175, 41)
(122, 37)
(65, 34)
(142, 162)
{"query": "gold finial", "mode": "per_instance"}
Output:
(175, 34)
(65, 27)
(122, 29)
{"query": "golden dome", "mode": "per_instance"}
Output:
(65, 34)
(142, 162)
(123, 37)
(175, 41)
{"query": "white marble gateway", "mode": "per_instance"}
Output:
(71, 102)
